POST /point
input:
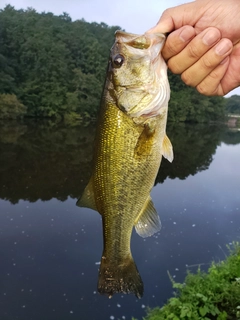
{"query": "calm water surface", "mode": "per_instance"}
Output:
(50, 249)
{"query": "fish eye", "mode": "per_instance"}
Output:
(118, 60)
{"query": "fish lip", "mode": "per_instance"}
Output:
(128, 39)
(125, 34)
(146, 34)
(135, 88)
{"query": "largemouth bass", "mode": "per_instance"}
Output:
(130, 142)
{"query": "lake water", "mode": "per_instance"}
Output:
(50, 249)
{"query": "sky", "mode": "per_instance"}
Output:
(135, 16)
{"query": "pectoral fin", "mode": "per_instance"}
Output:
(146, 138)
(148, 222)
(87, 199)
(167, 149)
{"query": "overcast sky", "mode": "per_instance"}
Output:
(135, 16)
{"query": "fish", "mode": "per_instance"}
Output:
(130, 142)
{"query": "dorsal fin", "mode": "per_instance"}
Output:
(167, 149)
(87, 199)
(148, 221)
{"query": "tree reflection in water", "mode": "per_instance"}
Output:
(43, 160)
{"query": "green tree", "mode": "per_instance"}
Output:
(186, 104)
(56, 67)
(10, 107)
(233, 104)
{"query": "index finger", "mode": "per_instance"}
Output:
(177, 41)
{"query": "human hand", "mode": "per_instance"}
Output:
(205, 46)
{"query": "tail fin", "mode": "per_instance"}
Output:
(123, 277)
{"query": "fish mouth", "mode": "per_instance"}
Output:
(139, 41)
(144, 93)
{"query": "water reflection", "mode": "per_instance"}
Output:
(44, 161)
(50, 250)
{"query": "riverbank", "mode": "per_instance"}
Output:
(214, 295)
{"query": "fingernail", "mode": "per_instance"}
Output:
(186, 35)
(223, 47)
(211, 37)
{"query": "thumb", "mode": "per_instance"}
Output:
(176, 17)
(164, 25)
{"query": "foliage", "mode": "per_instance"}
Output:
(233, 104)
(211, 296)
(56, 68)
(10, 107)
(53, 65)
(186, 104)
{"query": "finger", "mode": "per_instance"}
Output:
(177, 41)
(212, 85)
(164, 25)
(194, 50)
(231, 79)
(176, 17)
(208, 62)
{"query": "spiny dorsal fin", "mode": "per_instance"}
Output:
(148, 222)
(87, 199)
(167, 149)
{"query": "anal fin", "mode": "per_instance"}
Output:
(148, 221)
(167, 149)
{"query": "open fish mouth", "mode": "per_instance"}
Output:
(138, 74)
(138, 41)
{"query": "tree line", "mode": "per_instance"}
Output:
(53, 67)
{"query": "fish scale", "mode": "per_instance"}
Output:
(128, 150)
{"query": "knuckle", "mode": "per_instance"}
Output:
(206, 62)
(214, 75)
(174, 66)
(203, 89)
(166, 13)
(168, 49)
(211, 86)
(187, 79)
(193, 52)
